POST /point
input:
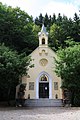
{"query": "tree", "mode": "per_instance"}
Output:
(16, 29)
(68, 68)
(55, 36)
(46, 20)
(53, 20)
(59, 19)
(66, 27)
(39, 20)
(75, 33)
(12, 68)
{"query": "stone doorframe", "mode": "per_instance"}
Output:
(37, 85)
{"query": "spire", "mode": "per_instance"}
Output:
(43, 29)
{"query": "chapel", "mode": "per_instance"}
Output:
(43, 87)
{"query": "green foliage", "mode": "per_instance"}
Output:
(16, 29)
(12, 68)
(68, 67)
(55, 33)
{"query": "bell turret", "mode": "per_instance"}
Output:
(43, 37)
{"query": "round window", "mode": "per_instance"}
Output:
(43, 62)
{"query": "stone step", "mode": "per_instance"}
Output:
(43, 102)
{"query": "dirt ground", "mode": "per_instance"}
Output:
(40, 113)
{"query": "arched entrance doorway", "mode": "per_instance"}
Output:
(44, 86)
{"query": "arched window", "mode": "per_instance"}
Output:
(44, 78)
(43, 41)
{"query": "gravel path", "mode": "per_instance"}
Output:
(42, 113)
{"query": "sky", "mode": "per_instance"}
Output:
(35, 7)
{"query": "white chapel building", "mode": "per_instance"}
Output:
(43, 87)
